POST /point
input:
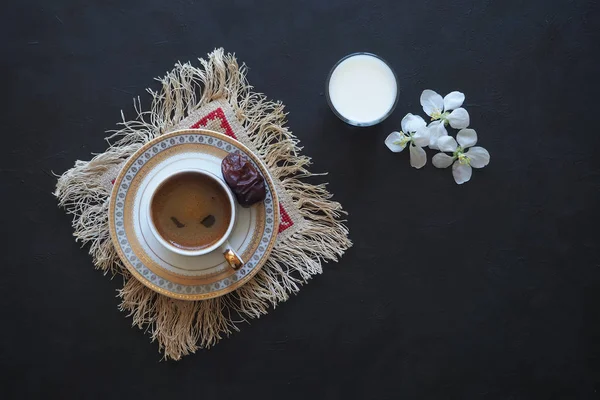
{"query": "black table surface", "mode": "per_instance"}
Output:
(487, 290)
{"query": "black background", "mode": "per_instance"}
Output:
(487, 290)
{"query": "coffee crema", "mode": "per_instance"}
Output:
(191, 211)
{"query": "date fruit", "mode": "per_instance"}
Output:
(244, 180)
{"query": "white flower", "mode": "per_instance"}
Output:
(414, 132)
(436, 131)
(447, 110)
(461, 161)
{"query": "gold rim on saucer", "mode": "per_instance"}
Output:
(130, 242)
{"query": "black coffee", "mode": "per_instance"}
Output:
(191, 211)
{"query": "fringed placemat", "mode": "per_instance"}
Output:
(214, 96)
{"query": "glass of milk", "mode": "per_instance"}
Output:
(362, 89)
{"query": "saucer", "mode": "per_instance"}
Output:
(169, 273)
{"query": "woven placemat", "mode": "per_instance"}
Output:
(215, 96)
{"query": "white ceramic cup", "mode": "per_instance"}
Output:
(225, 247)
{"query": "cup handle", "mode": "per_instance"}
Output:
(232, 258)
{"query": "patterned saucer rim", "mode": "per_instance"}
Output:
(248, 271)
(135, 217)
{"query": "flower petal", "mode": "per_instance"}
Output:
(431, 102)
(459, 118)
(442, 160)
(478, 156)
(421, 137)
(453, 100)
(436, 131)
(391, 140)
(447, 143)
(412, 123)
(461, 172)
(418, 157)
(466, 137)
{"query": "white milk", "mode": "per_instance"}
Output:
(362, 89)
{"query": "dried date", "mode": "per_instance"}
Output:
(244, 180)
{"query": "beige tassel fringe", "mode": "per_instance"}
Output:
(181, 327)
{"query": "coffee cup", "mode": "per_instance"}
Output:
(192, 212)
